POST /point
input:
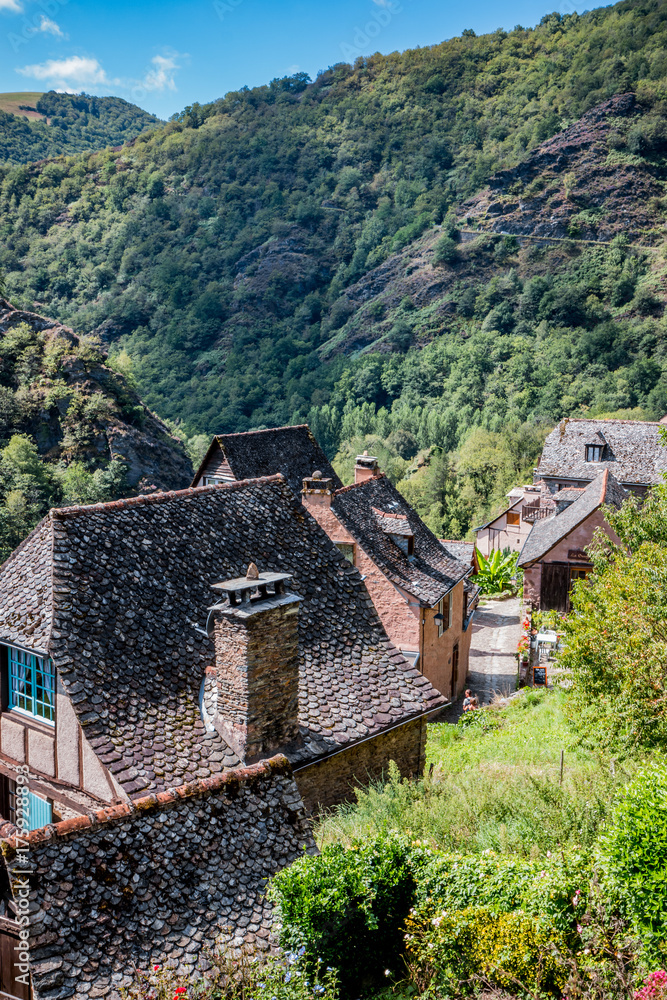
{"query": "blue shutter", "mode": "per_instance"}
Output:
(40, 812)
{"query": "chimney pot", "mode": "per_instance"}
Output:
(365, 467)
(256, 664)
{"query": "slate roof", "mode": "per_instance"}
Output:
(292, 451)
(462, 551)
(115, 592)
(546, 533)
(430, 572)
(633, 451)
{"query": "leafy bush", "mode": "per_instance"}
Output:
(508, 949)
(347, 907)
(634, 854)
(496, 571)
(615, 634)
(446, 251)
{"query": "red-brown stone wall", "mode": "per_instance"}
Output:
(333, 780)
(400, 619)
(438, 650)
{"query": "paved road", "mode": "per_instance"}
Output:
(496, 633)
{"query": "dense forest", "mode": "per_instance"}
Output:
(72, 123)
(341, 250)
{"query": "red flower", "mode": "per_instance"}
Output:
(180, 989)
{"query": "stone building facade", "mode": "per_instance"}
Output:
(421, 591)
(554, 555)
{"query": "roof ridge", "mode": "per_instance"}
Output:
(610, 420)
(354, 486)
(278, 764)
(263, 430)
(62, 513)
(386, 513)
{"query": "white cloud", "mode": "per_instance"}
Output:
(49, 27)
(13, 5)
(161, 77)
(67, 74)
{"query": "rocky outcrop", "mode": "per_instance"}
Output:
(57, 388)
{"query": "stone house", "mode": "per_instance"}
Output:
(422, 593)
(576, 451)
(554, 553)
(292, 451)
(143, 651)
(510, 528)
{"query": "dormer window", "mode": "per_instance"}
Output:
(594, 452)
(32, 684)
(406, 543)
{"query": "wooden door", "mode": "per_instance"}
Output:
(10, 989)
(555, 587)
(455, 670)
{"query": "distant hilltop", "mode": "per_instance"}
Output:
(38, 126)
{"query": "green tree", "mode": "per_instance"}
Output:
(616, 635)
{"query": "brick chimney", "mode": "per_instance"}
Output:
(365, 468)
(317, 491)
(255, 632)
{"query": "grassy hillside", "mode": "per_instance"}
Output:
(22, 104)
(275, 255)
(36, 126)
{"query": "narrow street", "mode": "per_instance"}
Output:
(493, 667)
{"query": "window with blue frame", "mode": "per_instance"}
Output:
(32, 684)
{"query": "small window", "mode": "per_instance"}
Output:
(37, 811)
(346, 549)
(513, 517)
(594, 452)
(444, 614)
(32, 684)
(578, 574)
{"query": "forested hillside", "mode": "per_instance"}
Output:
(336, 250)
(70, 123)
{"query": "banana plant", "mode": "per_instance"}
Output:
(497, 571)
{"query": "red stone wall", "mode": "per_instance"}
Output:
(436, 661)
(400, 619)
(334, 779)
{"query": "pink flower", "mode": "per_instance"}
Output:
(155, 968)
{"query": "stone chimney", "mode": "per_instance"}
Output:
(365, 468)
(255, 632)
(317, 491)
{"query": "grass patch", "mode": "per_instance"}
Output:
(493, 786)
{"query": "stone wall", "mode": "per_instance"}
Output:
(158, 881)
(257, 666)
(438, 650)
(333, 780)
(400, 619)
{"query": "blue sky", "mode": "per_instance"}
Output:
(167, 54)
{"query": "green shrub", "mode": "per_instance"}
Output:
(347, 907)
(509, 949)
(446, 251)
(634, 854)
